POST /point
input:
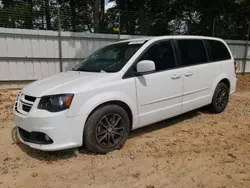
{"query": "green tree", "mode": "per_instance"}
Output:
(223, 18)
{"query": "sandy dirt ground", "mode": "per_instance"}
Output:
(197, 149)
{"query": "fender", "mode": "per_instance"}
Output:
(93, 102)
(218, 80)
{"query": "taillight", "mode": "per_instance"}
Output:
(235, 66)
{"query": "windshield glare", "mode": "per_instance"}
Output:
(111, 58)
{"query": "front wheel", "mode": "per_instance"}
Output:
(220, 98)
(106, 129)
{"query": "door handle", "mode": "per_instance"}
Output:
(176, 76)
(188, 74)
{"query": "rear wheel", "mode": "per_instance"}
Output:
(106, 129)
(220, 98)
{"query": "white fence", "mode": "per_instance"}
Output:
(32, 54)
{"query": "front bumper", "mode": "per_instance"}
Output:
(64, 132)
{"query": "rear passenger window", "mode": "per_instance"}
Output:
(162, 54)
(218, 51)
(192, 52)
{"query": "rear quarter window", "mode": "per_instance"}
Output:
(218, 51)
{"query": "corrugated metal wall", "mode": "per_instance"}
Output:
(33, 54)
(24, 53)
(238, 49)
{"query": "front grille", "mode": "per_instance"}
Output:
(24, 103)
(29, 98)
(26, 108)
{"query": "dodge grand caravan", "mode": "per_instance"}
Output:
(122, 87)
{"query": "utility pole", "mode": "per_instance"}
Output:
(246, 49)
(119, 25)
(96, 16)
(214, 26)
(59, 38)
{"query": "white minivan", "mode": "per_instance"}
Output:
(122, 87)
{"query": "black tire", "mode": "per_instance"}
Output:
(220, 98)
(104, 132)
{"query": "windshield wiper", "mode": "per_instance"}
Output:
(82, 70)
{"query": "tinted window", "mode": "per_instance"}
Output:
(218, 51)
(162, 54)
(192, 52)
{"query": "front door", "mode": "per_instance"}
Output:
(159, 93)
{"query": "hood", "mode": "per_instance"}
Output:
(67, 82)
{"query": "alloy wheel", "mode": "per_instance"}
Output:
(110, 130)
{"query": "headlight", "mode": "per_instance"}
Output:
(55, 103)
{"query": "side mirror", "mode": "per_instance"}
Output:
(145, 66)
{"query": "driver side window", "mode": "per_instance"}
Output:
(162, 54)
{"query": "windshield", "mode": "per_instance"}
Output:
(111, 58)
